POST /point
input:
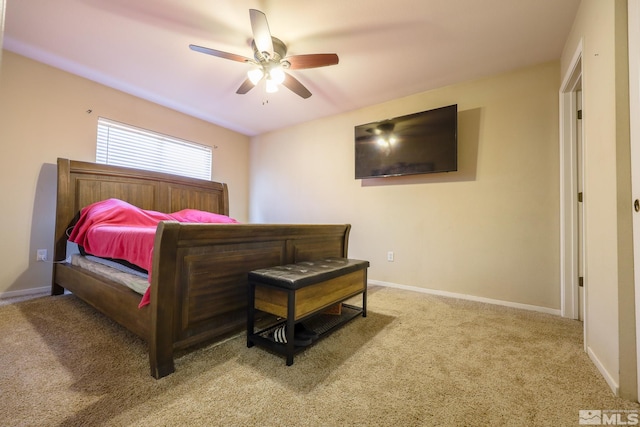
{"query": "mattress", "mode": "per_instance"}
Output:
(115, 229)
(118, 273)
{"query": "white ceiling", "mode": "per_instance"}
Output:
(387, 49)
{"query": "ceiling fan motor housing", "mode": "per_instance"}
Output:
(279, 53)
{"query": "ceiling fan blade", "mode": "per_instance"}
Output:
(219, 53)
(299, 62)
(245, 87)
(295, 86)
(261, 33)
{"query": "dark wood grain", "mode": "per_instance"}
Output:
(199, 273)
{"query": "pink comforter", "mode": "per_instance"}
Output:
(113, 228)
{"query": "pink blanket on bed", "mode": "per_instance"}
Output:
(116, 229)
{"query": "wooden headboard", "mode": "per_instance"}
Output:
(83, 183)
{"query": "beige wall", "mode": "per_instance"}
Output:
(489, 230)
(601, 28)
(43, 116)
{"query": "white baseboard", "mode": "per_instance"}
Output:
(547, 310)
(25, 292)
(615, 388)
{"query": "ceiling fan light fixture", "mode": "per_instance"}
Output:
(276, 74)
(255, 75)
(272, 86)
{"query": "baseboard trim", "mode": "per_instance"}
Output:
(24, 293)
(615, 388)
(539, 309)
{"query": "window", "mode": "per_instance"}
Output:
(124, 145)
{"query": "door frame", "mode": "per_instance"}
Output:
(633, 9)
(569, 250)
(2, 14)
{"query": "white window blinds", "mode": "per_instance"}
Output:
(124, 145)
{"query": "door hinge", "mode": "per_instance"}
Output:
(581, 281)
(579, 114)
(580, 197)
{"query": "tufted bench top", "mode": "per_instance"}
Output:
(305, 273)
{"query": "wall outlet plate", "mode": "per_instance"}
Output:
(41, 255)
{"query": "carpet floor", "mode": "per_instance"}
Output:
(415, 360)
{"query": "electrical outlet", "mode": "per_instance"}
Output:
(41, 255)
(390, 256)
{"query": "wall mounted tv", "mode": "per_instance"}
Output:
(419, 143)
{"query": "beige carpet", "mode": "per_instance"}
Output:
(414, 360)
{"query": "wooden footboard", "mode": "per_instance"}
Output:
(199, 272)
(199, 282)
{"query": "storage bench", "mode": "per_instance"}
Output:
(302, 291)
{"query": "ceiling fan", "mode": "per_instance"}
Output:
(270, 59)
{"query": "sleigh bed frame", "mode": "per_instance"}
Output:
(199, 271)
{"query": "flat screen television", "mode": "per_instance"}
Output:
(419, 143)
